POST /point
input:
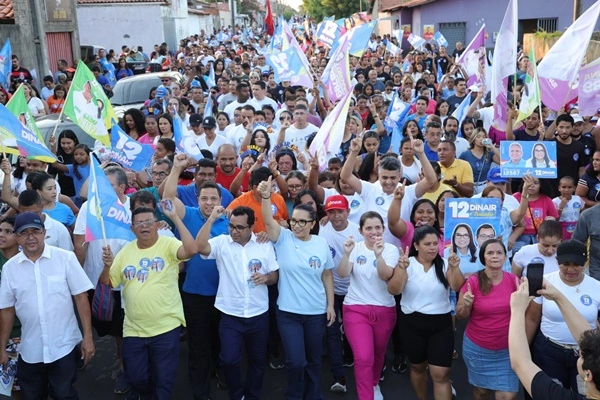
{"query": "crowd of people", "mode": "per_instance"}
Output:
(254, 252)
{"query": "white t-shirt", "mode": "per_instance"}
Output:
(336, 240)
(486, 115)
(57, 234)
(257, 104)
(411, 173)
(377, 200)
(230, 108)
(366, 288)
(356, 202)
(461, 144)
(214, 146)
(531, 254)
(423, 292)
(586, 299)
(570, 213)
(35, 106)
(298, 137)
(235, 136)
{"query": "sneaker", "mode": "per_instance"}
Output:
(339, 385)
(121, 386)
(348, 362)
(396, 364)
(377, 393)
(276, 363)
(382, 377)
(220, 380)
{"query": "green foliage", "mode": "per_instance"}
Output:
(543, 35)
(319, 9)
(288, 14)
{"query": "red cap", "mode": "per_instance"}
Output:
(336, 202)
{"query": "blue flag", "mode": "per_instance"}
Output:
(16, 138)
(110, 71)
(440, 73)
(399, 114)
(440, 39)
(211, 81)
(5, 64)
(128, 152)
(461, 111)
(208, 109)
(106, 217)
(289, 66)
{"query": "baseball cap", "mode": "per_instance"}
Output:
(161, 92)
(577, 118)
(571, 250)
(28, 220)
(495, 177)
(209, 122)
(336, 202)
(195, 120)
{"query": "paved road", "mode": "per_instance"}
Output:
(96, 381)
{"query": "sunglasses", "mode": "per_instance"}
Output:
(165, 80)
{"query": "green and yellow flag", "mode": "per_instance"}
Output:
(18, 106)
(88, 106)
(531, 96)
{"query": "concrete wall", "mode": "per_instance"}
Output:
(108, 25)
(198, 22)
(28, 35)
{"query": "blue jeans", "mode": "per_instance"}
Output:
(150, 364)
(56, 378)
(302, 337)
(252, 334)
(556, 361)
(334, 340)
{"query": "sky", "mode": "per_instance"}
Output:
(292, 3)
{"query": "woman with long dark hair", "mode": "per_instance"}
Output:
(67, 141)
(134, 123)
(588, 187)
(425, 321)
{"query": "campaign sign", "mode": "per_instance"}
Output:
(528, 158)
(468, 223)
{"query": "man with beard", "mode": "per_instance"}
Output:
(226, 167)
(570, 159)
(530, 129)
(450, 134)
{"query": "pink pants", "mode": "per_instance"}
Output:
(368, 329)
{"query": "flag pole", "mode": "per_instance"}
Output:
(98, 204)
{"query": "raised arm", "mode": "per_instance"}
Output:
(346, 172)
(472, 111)
(273, 228)
(512, 116)
(313, 179)
(188, 248)
(399, 278)
(397, 225)
(204, 247)
(344, 268)
(7, 196)
(455, 277)
(516, 216)
(429, 175)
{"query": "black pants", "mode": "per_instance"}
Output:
(202, 321)
(57, 378)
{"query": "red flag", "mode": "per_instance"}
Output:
(269, 25)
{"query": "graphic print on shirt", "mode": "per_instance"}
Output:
(274, 209)
(586, 300)
(332, 252)
(379, 201)
(361, 260)
(145, 263)
(314, 262)
(142, 275)
(157, 264)
(254, 266)
(129, 272)
(355, 204)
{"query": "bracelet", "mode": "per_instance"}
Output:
(266, 198)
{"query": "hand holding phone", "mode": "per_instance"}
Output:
(535, 276)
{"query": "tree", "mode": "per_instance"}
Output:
(319, 9)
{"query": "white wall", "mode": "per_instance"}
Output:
(198, 22)
(106, 25)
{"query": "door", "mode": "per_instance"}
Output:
(59, 48)
(454, 32)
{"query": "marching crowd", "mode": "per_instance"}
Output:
(254, 253)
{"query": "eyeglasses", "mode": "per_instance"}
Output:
(144, 224)
(295, 187)
(159, 174)
(237, 228)
(462, 236)
(485, 237)
(301, 222)
(32, 232)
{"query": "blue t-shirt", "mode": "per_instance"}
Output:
(202, 276)
(480, 166)
(301, 264)
(102, 80)
(189, 195)
(430, 153)
(419, 120)
(62, 214)
(84, 172)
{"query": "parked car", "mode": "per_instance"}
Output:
(133, 91)
(47, 123)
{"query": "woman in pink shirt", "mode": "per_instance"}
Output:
(485, 300)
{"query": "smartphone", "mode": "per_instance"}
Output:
(486, 142)
(535, 276)
(166, 205)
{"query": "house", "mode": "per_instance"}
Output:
(41, 32)
(460, 20)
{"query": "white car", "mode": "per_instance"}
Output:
(133, 91)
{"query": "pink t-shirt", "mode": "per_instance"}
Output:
(496, 135)
(407, 239)
(490, 314)
(146, 139)
(537, 212)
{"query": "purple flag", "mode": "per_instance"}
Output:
(335, 76)
(589, 89)
(473, 59)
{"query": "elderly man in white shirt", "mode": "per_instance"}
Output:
(39, 286)
(246, 268)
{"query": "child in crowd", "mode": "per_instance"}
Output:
(568, 205)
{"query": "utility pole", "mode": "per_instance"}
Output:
(577, 5)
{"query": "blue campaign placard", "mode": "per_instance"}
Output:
(518, 158)
(468, 223)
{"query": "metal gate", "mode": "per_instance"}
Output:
(454, 32)
(59, 48)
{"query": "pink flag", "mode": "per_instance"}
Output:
(504, 65)
(589, 89)
(473, 59)
(558, 69)
(328, 140)
(336, 75)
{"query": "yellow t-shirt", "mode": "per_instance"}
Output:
(433, 196)
(459, 168)
(150, 292)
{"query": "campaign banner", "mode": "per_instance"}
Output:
(440, 39)
(328, 33)
(468, 224)
(538, 159)
(288, 66)
(428, 32)
(406, 31)
(129, 152)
